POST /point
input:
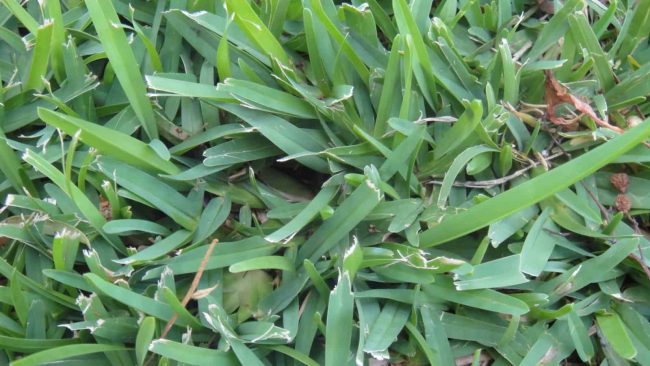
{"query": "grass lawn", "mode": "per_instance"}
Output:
(324, 182)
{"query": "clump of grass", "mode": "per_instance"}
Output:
(286, 182)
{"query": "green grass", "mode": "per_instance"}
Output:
(304, 182)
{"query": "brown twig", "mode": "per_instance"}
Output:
(517, 55)
(301, 309)
(193, 286)
(495, 182)
(638, 258)
(190, 292)
(602, 208)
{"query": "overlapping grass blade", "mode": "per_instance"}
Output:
(110, 142)
(483, 299)
(191, 354)
(534, 190)
(154, 191)
(159, 248)
(87, 208)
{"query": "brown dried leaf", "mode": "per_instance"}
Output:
(556, 93)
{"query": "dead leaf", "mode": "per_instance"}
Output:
(557, 93)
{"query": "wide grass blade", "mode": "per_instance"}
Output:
(124, 63)
(339, 322)
(63, 352)
(40, 58)
(614, 331)
(191, 354)
(483, 299)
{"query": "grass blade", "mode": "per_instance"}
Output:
(616, 334)
(40, 57)
(190, 354)
(157, 193)
(63, 352)
(339, 323)
(110, 142)
(305, 216)
(123, 61)
(256, 31)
